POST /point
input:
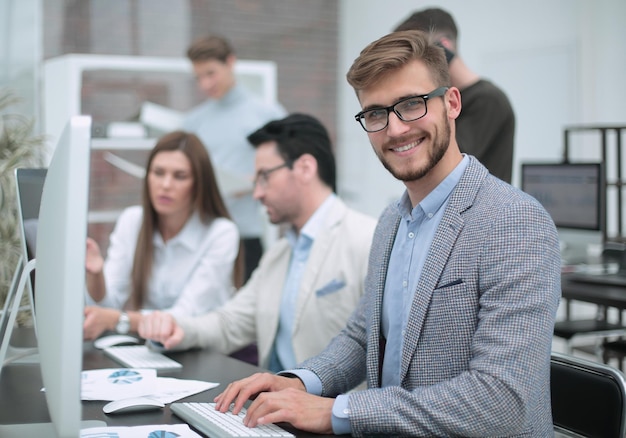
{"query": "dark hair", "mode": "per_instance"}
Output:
(394, 51)
(299, 134)
(210, 47)
(206, 199)
(433, 20)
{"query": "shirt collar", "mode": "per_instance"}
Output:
(436, 198)
(188, 237)
(314, 225)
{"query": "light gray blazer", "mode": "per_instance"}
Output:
(331, 287)
(476, 357)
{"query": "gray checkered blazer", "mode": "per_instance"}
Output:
(476, 357)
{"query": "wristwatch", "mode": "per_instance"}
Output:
(123, 324)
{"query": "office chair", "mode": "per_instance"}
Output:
(588, 398)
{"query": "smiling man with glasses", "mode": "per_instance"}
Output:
(310, 281)
(454, 331)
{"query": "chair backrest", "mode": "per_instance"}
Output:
(588, 398)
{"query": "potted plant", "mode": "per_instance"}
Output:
(19, 147)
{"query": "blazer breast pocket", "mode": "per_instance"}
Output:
(450, 284)
(331, 287)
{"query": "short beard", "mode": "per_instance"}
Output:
(440, 146)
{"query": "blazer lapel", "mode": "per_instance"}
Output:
(444, 239)
(375, 341)
(319, 253)
(271, 292)
(446, 235)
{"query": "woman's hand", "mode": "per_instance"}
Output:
(94, 262)
(98, 320)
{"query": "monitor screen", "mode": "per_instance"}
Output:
(572, 193)
(60, 273)
(29, 187)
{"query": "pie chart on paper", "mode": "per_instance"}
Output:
(124, 377)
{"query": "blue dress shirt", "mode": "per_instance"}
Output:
(413, 239)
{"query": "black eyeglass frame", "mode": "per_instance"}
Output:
(263, 174)
(435, 93)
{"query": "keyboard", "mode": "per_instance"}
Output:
(210, 422)
(140, 356)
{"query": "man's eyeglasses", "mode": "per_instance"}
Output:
(262, 176)
(407, 110)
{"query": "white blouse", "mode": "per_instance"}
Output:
(192, 273)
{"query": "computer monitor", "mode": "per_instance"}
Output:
(60, 278)
(28, 189)
(573, 195)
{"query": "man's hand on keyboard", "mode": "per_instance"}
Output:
(161, 327)
(277, 399)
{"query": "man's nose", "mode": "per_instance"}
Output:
(258, 191)
(396, 126)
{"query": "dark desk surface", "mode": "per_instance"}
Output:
(21, 399)
(611, 296)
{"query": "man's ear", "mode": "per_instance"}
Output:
(453, 102)
(306, 165)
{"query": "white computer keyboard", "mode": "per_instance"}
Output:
(140, 356)
(210, 422)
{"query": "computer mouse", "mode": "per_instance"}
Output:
(111, 340)
(132, 404)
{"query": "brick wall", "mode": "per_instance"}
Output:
(299, 35)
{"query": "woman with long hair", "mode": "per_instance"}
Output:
(179, 252)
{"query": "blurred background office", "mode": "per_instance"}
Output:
(560, 62)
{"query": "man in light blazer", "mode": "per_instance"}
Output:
(455, 328)
(307, 285)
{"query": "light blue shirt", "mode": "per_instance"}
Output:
(283, 355)
(223, 126)
(415, 234)
(413, 239)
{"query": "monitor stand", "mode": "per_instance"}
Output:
(40, 429)
(9, 314)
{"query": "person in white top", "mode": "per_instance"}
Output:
(182, 257)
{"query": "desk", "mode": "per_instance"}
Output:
(21, 399)
(604, 295)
